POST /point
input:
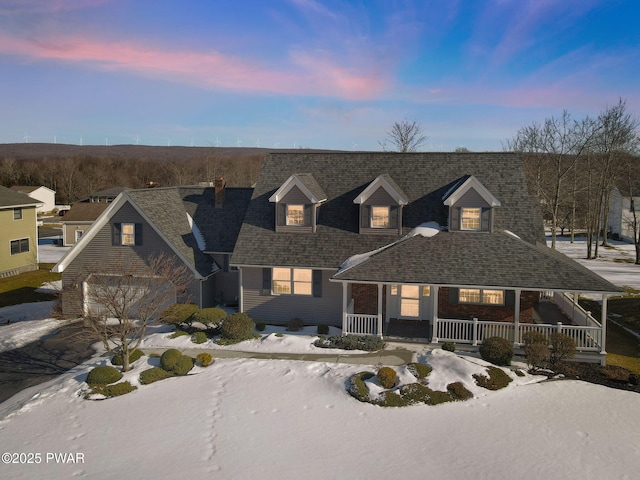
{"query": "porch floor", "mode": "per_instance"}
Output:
(548, 312)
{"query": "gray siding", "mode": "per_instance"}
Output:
(101, 256)
(381, 198)
(295, 196)
(472, 199)
(227, 284)
(279, 309)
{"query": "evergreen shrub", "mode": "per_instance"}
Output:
(323, 329)
(449, 346)
(103, 375)
(387, 377)
(295, 325)
(497, 350)
(153, 375)
(199, 337)
(178, 313)
(204, 359)
(209, 316)
(237, 327)
(133, 356)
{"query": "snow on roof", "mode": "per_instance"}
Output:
(196, 233)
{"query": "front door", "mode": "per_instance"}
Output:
(409, 302)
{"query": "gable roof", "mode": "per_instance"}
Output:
(306, 183)
(167, 210)
(471, 183)
(10, 198)
(30, 188)
(84, 212)
(423, 177)
(386, 182)
(498, 259)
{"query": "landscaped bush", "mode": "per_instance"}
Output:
(497, 350)
(199, 337)
(562, 346)
(260, 327)
(419, 370)
(536, 349)
(357, 387)
(458, 391)
(414, 393)
(496, 380)
(204, 359)
(449, 346)
(178, 333)
(237, 327)
(175, 362)
(178, 313)
(153, 375)
(368, 343)
(387, 377)
(103, 375)
(391, 399)
(295, 325)
(209, 316)
(133, 356)
(114, 390)
(323, 329)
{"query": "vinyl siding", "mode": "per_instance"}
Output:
(16, 230)
(381, 198)
(279, 309)
(101, 255)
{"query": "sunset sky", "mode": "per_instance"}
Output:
(308, 73)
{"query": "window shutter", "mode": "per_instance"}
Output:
(317, 283)
(281, 214)
(485, 223)
(116, 237)
(365, 216)
(454, 218)
(393, 216)
(266, 281)
(454, 296)
(138, 234)
(307, 215)
(510, 298)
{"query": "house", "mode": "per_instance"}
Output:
(622, 208)
(439, 246)
(42, 194)
(83, 213)
(19, 233)
(196, 226)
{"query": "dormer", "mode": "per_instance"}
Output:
(297, 202)
(471, 206)
(381, 206)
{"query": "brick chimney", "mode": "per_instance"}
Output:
(219, 185)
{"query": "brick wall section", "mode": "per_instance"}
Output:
(486, 312)
(365, 299)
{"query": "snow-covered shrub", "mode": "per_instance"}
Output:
(419, 370)
(496, 380)
(449, 346)
(133, 356)
(204, 359)
(368, 343)
(562, 346)
(199, 337)
(295, 325)
(178, 333)
(153, 375)
(458, 391)
(175, 362)
(357, 388)
(114, 390)
(497, 350)
(414, 393)
(387, 377)
(103, 375)
(237, 327)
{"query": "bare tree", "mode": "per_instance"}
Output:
(123, 299)
(405, 136)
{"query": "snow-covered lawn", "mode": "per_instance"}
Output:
(248, 418)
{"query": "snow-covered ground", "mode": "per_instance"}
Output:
(247, 418)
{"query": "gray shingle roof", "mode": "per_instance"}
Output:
(11, 198)
(476, 259)
(167, 209)
(423, 177)
(84, 212)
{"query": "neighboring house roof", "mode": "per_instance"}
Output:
(424, 178)
(497, 259)
(169, 210)
(10, 198)
(84, 212)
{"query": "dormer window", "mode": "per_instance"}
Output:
(295, 215)
(470, 218)
(380, 217)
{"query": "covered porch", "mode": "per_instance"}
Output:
(389, 311)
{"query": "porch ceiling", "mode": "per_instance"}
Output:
(476, 259)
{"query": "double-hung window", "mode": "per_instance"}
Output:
(380, 217)
(481, 296)
(470, 218)
(295, 214)
(128, 234)
(19, 246)
(17, 213)
(292, 281)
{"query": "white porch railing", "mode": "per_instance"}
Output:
(475, 331)
(573, 310)
(360, 324)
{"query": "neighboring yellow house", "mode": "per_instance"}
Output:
(18, 233)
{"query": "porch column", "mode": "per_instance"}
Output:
(344, 307)
(434, 314)
(240, 291)
(603, 323)
(516, 318)
(380, 310)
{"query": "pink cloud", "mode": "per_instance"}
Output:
(304, 75)
(10, 7)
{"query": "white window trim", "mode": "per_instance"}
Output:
(123, 234)
(388, 225)
(78, 237)
(482, 292)
(478, 217)
(287, 222)
(21, 214)
(292, 281)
